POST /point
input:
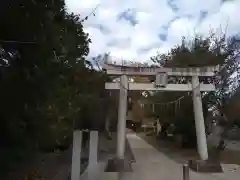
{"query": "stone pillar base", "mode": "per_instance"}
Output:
(205, 166)
(118, 165)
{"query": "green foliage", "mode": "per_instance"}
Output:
(198, 52)
(45, 83)
(225, 83)
(210, 51)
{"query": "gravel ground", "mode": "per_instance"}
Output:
(180, 155)
(51, 166)
(43, 167)
(57, 166)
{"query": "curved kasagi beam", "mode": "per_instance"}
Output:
(114, 69)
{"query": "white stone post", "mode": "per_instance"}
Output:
(122, 113)
(93, 155)
(76, 155)
(199, 119)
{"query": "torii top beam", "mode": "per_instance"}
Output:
(113, 69)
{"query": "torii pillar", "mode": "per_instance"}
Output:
(204, 164)
(120, 163)
(199, 119)
(122, 113)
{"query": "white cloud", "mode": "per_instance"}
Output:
(181, 27)
(224, 19)
(154, 17)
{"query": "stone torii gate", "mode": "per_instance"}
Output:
(162, 76)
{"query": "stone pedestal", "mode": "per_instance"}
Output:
(205, 166)
(212, 165)
(118, 165)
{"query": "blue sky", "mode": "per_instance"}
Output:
(136, 29)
